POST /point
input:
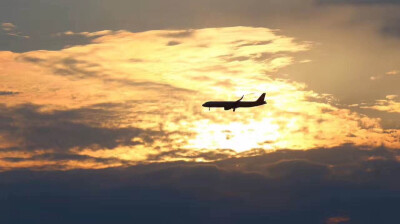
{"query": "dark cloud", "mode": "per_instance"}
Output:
(295, 169)
(63, 130)
(252, 43)
(7, 93)
(43, 42)
(180, 34)
(65, 66)
(173, 43)
(315, 186)
(31, 59)
(62, 157)
(191, 154)
(391, 28)
(76, 68)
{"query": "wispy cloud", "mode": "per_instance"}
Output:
(390, 104)
(393, 72)
(389, 73)
(8, 93)
(85, 34)
(337, 220)
(8, 27)
(11, 29)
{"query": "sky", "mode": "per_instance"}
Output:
(101, 117)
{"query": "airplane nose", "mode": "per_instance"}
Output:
(204, 104)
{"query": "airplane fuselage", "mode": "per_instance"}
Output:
(227, 105)
(231, 104)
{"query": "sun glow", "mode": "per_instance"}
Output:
(236, 135)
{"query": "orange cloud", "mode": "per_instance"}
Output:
(389, 105)
(338, 219)
(156, 81)
(389, 73)
(393, 72)
(8, 26)
(85, 34)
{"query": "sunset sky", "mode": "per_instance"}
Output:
(101, 118)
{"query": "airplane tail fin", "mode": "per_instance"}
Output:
(261, 98)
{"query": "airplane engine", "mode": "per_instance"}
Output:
(227, 108)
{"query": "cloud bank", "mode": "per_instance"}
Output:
(135, 97)
(337, 185)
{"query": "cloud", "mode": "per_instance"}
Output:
(389, 73)
(62, 131)
(354, 31)
(11, 30)
(373, 78)
(391, 28)
(85, 34)
(172, 43)
(59, 161)
(357, 185)
(126, 98)
(40, 41)
(7, 93)
(388, 105)
(132, 97)
(391, 97)
(8, 26)
(86, 138)
(337, 219)
(393, 72)
(180, 34)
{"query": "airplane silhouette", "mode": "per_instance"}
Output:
(227, 105)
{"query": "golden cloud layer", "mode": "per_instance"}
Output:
(388, 105)
(154, 83)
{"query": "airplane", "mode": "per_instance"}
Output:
(227, 105)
